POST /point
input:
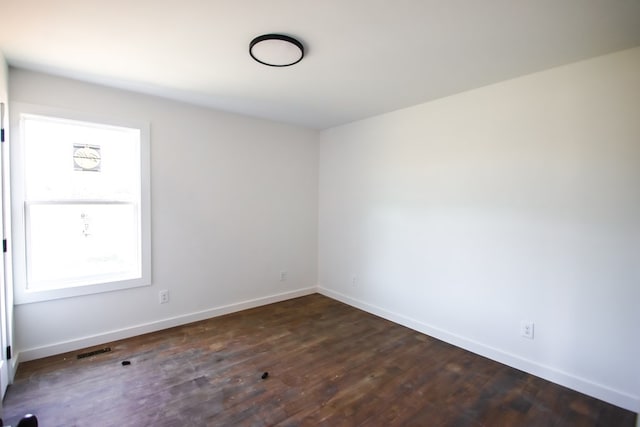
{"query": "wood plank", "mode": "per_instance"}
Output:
(329, 365)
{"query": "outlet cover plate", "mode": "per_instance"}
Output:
(164, 297)
(526, 329)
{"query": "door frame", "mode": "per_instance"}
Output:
(6, 289)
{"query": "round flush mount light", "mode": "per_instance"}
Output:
(276, 50)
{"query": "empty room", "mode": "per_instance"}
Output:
(320, 213)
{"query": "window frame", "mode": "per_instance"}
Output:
(22, 294)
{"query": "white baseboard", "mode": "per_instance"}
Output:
(582, 385)
(13, 367)
(98, 339)
(573, 382)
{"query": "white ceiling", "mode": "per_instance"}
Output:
(364, 57)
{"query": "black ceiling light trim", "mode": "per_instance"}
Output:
(292, 57)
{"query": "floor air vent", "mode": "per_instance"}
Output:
(94, 352)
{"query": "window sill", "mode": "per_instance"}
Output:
(28, 297)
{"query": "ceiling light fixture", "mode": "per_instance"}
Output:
(276, 50)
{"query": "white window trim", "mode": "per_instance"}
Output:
(17, 245)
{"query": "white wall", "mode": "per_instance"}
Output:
(234, 202)
(517, 201)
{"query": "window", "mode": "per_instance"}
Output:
(80, 204)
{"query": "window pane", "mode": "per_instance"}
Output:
(80, 203)
(77, 160)
(80, 244)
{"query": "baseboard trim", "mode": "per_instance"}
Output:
(13, 367)
(115, 335)
(573, 382)
(582, 385)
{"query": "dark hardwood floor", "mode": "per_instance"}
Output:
(328, 364)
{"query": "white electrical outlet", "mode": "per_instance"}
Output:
(283, 276)
(164, 297)
(354, 281)
(526, 329)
